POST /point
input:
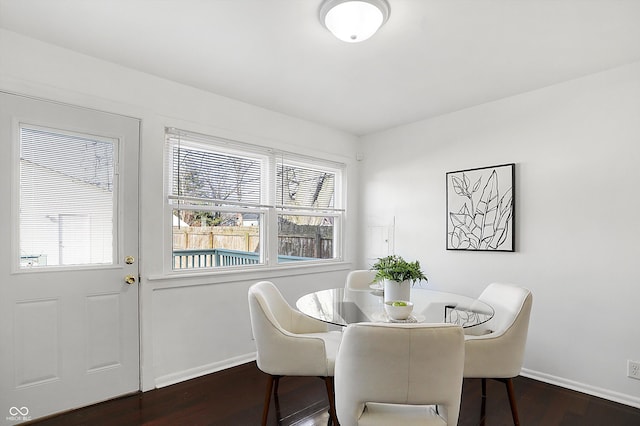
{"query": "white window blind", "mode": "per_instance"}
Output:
(67, 202)
(218, 178)
(299, 186)
(227, 196)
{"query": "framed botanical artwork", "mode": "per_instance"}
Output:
(480, 209)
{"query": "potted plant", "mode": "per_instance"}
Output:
(397, 276)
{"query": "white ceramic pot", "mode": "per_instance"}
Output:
(394, 290)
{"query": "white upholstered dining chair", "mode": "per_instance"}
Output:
(396, 374)
(360, 279)
(290, 343)
(496, 348)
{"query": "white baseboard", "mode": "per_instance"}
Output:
(192, 373)
(181, 376)
(610, 395)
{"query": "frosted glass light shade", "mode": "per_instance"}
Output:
(354, 20)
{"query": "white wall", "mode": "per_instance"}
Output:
(195, 325)
(577, 151)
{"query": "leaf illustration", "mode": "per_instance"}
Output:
(458, 186)
(501, 235)
(474, 242)
(458, 219)
(506, 202)
(463, 219)
(476, 185)
(487, 208)
(501, 228)
(455, 239)
(460, 239)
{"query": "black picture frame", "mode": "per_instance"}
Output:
(481, 209)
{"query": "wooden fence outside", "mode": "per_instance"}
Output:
(295, 240)
(244, 238)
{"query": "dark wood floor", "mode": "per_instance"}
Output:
(234, 397)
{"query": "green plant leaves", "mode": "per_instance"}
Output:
(395, 268)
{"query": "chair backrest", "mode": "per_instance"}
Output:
(268, 298)
(498, 351)
(284, 346)
(409, 364)
(360, 279)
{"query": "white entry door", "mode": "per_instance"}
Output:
(69, 333)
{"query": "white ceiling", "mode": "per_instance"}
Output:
(430, 58)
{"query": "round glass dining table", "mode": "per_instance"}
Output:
(342, 306)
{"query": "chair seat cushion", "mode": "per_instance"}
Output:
(376, 414)
(477, 331)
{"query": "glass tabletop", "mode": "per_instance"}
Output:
(341, 306)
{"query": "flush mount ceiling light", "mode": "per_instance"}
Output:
(354, 20)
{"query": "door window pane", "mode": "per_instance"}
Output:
(67, 184)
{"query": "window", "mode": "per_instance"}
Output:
(67, 198)
(237, 205)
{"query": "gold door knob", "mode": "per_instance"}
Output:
(129, 260)
(130, 279)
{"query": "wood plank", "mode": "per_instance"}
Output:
(234, 397)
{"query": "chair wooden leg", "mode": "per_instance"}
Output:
(512, 401)
(483, 404)
(271, 381)
(276, 398)
(332, 402)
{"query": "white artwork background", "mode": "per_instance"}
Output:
(480, 209)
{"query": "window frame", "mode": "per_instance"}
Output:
(267, 207)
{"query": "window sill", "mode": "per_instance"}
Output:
(196, 278)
